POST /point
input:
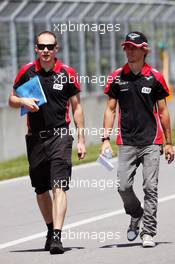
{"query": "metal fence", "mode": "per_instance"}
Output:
(93, 50)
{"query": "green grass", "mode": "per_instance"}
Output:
(173, 136)
(19, 166)
(13, 168)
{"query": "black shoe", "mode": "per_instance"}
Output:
(48, 240)
(134, 227)
(56, 247)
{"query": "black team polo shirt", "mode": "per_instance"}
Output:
(59, 84)
(138, 120)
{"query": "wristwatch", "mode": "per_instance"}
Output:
(168, 143)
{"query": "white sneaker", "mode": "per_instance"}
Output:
(148, 241)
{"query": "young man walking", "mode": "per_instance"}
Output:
(140, 92)
(49, 143)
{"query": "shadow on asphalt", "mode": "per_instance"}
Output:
(132, 245)
(42, 250)
(127, 245)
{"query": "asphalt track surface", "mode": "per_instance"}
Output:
(95, 225)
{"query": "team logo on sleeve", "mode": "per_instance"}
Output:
(146, 90)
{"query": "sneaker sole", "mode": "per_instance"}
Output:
(54, 251)
(148, 245)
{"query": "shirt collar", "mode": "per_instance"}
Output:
(145, 71)
(55, 69)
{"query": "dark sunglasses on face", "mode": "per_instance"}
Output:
(48, 46)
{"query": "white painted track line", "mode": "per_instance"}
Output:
(79, 223)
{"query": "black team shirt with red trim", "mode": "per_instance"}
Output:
(138, 120)
(59, 84)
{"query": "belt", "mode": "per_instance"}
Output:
(55, 131)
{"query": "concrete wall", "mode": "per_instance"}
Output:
(13, 126)
(12, 131)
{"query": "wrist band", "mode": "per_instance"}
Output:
(105, 138)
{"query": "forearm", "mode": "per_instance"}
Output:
(165, 122)
(15, 101)
(108, 123)
(79, 122)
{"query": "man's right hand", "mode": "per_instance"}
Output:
(169, 153)
(106, 144)
(30, 104)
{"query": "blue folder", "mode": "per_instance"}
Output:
(31, 89)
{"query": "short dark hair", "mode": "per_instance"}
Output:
(48, 33)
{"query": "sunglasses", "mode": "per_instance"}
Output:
(48, 46)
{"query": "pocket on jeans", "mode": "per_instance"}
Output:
(154, 156)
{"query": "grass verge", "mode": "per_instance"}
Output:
(19, 167)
